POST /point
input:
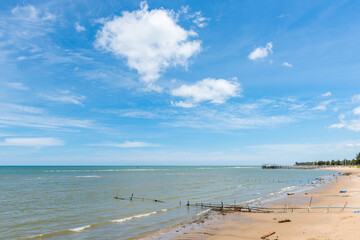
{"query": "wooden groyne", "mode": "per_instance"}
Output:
(131, 198)
(253, 209)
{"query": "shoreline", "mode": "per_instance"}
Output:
(314, 224)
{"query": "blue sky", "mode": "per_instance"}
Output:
(178, 82)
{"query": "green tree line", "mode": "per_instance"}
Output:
(354, 161)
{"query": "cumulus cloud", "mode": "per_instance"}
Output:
(327, 94)
(32, 142)
(149, 40)
(127, 144)
(79, 28)
(208, 89)
(261, 52)
(286, 64)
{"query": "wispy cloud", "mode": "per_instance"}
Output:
(261, 52)
(15, 85)
(355, 98)
(327, 94)
(251, 114)
(139, 114)
(65, 96)
(148, 47)
(286, 64)
(352, 124)
(198, 19)
(223, 121)
(323, 105)
(182, 104)
(32, 142)
(32, 14)
(356, 111)
(33, 117)
(307, 151)
(79, 28)
(126, 144)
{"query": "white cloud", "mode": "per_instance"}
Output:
(32, 14)
(21, 58)
(327, 94)
(198, 19)
(79, 28)
(183, 104)
(127, 144)
(139, 114)
(150, 41)
(322, 106)
(33, 117)
(356, 111)
(286, 64)
(311, 151)
(15, 108)
(32, 142)
(16, 85)
(353, 125)
(261, 52)
(65, 96)
(224, 120)
(355, 98)
(208, 89)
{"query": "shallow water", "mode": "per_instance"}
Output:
(78, 202)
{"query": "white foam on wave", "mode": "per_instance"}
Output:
(35, 236)
(80, 229)
(107, 170)
(137, 216)
(91, 176)
(242, 167)
(286, 189)
(203, 212)
(133, 217)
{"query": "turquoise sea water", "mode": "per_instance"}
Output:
(78, 202)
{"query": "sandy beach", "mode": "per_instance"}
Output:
(325, 223)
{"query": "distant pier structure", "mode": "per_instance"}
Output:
(274, 166)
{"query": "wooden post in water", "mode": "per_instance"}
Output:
(328, 209)
(344, 206)
(310, 204)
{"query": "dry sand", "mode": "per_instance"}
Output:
(315, 224)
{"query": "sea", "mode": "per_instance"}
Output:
(77, 202)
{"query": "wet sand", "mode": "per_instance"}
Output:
(309, 223)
